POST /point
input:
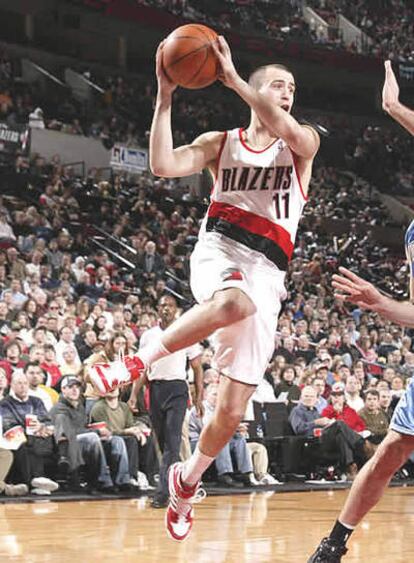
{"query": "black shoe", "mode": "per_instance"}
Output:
(159, 501)
(127, 488)
(226, 480)
(244, 479)
(328, 552)
(112, 490)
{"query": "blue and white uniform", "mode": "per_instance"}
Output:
(403, 419)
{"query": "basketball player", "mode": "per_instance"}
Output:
(238, 267)
(393, 452)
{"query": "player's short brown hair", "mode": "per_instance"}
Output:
(257, 76)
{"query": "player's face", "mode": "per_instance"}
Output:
(279, 85)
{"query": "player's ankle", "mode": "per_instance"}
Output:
(340, 533)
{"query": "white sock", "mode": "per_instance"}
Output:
(194, 467)
(152, 352)
(347, 525)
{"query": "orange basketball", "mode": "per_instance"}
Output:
(188, 58)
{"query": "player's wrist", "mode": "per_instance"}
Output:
(237, 84)
(392, 108)
(385, 305)
(164, 98)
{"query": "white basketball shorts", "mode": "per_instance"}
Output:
(242, 350)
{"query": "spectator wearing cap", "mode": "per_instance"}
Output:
(79, 445)
(32, 457)
(339, 410)
(36, 378)
(352, 393)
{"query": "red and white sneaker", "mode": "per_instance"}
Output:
(109, 376)
(180, 513)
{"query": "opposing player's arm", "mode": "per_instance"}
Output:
(391, 103)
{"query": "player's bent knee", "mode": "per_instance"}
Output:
(233, 306)
(230, 415)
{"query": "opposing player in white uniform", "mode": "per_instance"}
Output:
(239, 264)
(373, 479)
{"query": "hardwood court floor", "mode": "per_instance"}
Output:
(254, 528)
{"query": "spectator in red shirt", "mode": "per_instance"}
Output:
(339, 410)
(50, 366)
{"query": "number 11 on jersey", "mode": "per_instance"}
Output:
(282, 205)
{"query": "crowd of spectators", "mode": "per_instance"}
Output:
(66, 303)
(387, 23)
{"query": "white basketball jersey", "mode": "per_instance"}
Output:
(257, 198)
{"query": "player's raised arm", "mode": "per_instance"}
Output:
(391, 103)
(164, 159)
(303, 140)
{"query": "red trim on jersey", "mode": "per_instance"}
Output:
(295, 166)
(220, 152)
(253, 223)
(246, 146)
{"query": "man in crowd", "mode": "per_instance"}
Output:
(352, 397)
(137, 436)
(339, 410)
(335, 437)
(79, 445)
(35, 377)
(318, 384)
(376, 420)
(169, 394)
(385, 399)
(30, 460)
